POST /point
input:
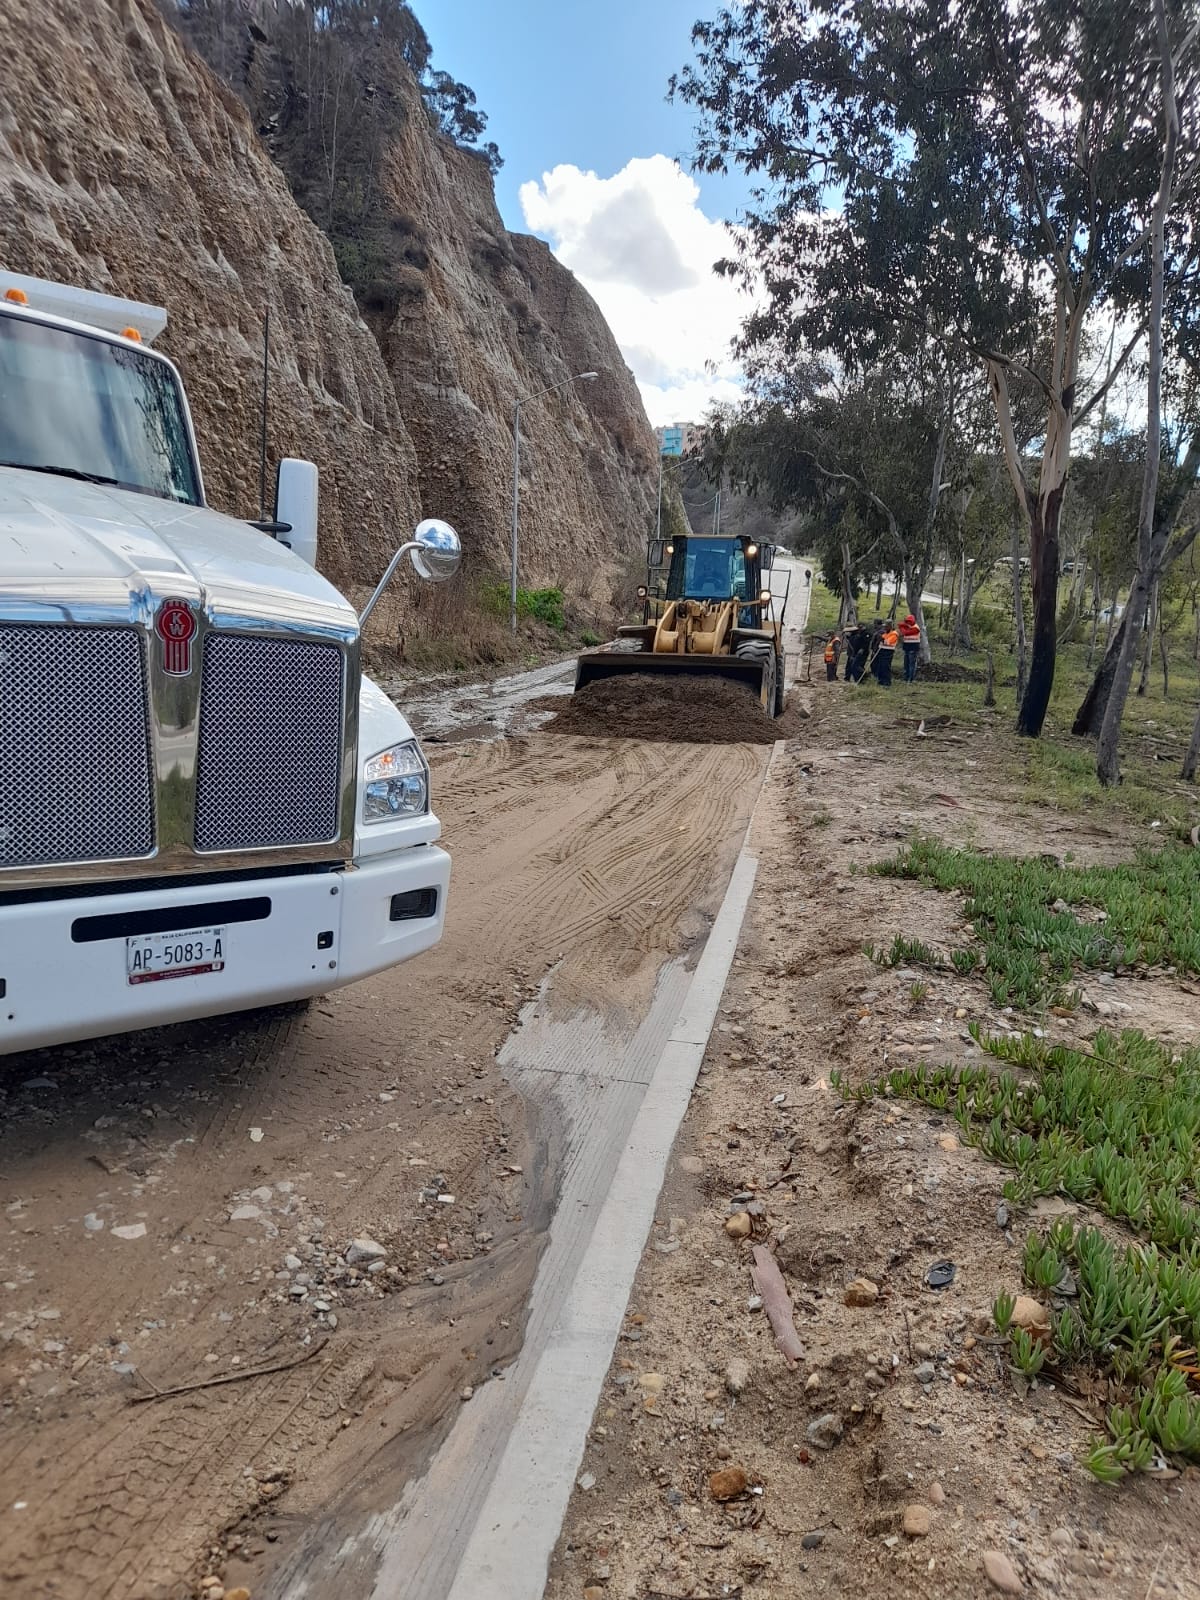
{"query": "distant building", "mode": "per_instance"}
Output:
(681, 438)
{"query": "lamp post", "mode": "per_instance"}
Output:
(527, 399)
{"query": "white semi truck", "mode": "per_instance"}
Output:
(204, 804)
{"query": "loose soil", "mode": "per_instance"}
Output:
(177, 1205)
(925, 1411)
(686, 709)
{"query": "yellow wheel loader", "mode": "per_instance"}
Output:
(707, 610)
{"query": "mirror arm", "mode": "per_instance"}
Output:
(267, 525)
(385, 580)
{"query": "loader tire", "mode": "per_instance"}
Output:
(763, 651)
(780, 683)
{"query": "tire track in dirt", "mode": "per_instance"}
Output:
(562, 847)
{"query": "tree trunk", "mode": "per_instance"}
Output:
(1162, 650)
(1095, 618)
(1112, 617)
(1018, 607)
(1091, 713)
(1148, 641)
(1152, 541)
(1043, 545)
(849, 602)
(989, 698)
(1193, 751)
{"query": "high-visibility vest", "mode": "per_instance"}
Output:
(831, 650)
(890, 640)
(910, 632)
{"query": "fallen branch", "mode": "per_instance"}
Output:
(777, 1303)
(233, 1377)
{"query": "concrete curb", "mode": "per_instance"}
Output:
(508, 1551)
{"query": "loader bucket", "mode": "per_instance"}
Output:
(596, 664)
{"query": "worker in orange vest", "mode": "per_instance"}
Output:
(910, 638)
(833, 649)
(884, 651)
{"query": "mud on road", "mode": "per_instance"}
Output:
(178, 1205)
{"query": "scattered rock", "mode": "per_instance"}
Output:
(586, 1481)
(862, 1292)
(246, 1213)
(825, 1431)
(364, 1250)
(937, 1495)
(917, 1520)
(593, 1592)
(947, 1142)
(1031, 1315)
(1063, 1539)
(93, 1223)
(728, 1483)
(1001, 1573)
(652, 1382)
(237, 1594)
(466, 1392)
(131, 1230)
(692, 1164)
(739, 1225)
(925, 1373)
(813, 1540)
(812, 1383)
(737, 1375)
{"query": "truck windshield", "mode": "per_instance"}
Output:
(78, 405)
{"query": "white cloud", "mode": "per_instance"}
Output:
(640, 244)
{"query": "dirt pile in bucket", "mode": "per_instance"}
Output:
(685, 709)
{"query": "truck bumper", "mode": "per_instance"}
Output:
(64, 964)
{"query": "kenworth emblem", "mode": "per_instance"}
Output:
(176, 627)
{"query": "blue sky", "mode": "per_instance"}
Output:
(568, 81)
(575, 95)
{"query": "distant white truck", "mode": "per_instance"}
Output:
(204, 803)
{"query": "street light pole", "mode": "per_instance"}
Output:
(527, 399)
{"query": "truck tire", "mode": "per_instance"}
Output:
(780, 683)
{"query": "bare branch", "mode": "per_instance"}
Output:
(1114, 371)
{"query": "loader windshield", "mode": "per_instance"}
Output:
(707, 569)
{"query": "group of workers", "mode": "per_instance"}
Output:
(873, 648)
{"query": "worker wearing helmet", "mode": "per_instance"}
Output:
(833, 649)
(910, 639)
(885, 649)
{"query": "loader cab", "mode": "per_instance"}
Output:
(713, 569)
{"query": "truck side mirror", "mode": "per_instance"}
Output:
(766, 557)
(296, 504)
(435, 552)
(654, 555)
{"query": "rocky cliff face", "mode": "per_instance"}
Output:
(125, 165)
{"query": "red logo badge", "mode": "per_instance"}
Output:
(176, 627)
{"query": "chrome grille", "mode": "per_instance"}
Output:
(269, 766)
(75, 777)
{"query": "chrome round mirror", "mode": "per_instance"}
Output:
(438, 551)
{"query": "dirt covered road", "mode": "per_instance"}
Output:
(179, 1207)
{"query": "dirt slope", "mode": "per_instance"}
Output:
(925, 1411)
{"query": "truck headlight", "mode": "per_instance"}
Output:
(395, 784)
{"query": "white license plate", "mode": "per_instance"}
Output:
(154, 956)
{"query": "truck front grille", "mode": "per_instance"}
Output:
(75, 775)
(269, 766)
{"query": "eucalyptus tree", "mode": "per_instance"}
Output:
(984, 172)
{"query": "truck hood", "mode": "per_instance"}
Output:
(98, 553)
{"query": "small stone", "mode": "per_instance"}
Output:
(739, 1225)
(812, 1383)
(246, 1213)
(825, 1431)
(1063, 1539)
(131, 1230)
(237, 1594)
(947, 1142)
(466, 1392)
(652, 1382)
(1030, 1314)
(737, 1375)
(862, 1292)
(754, 1303)
(93, 1223)
(593, 1592)
(728, 1483)
(586, 1481)
(364, 1250)
(692, 1164)
(292, 1263)
(814, 1540)
(1001, 1573)
(937, 1495)
(925, 1373)
(917, 1520)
